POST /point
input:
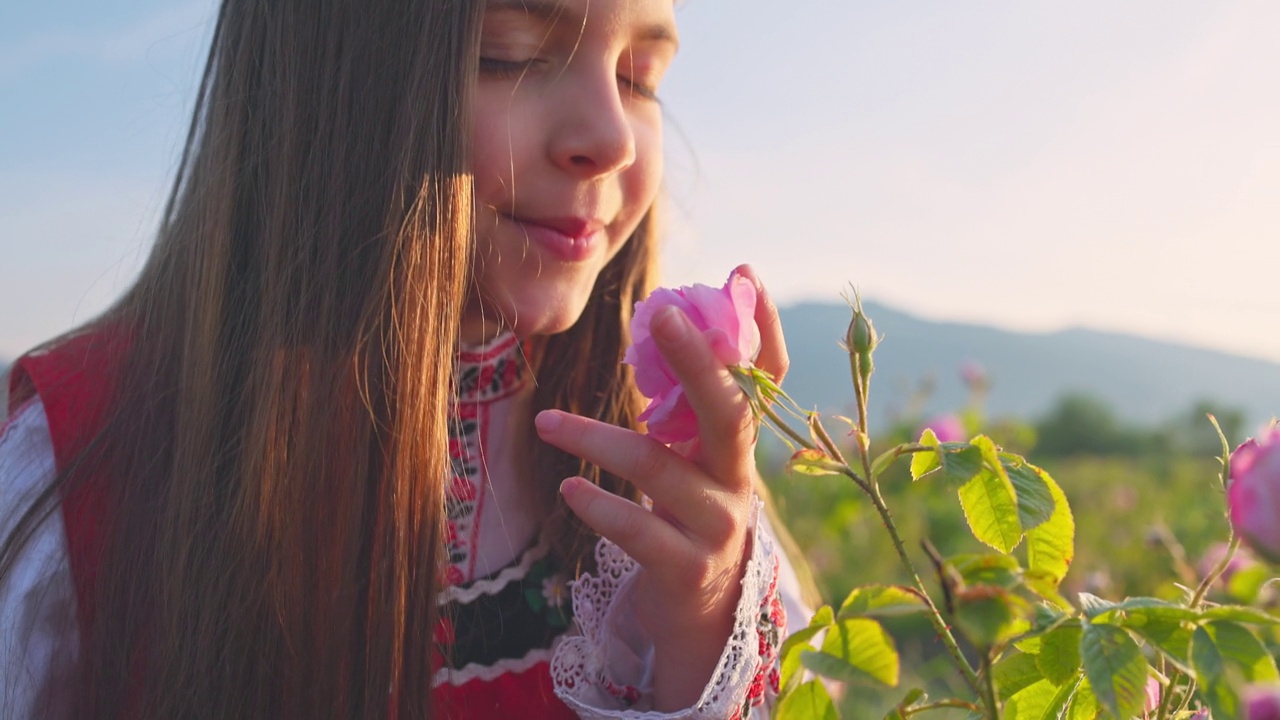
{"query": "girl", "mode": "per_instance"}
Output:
(340, 449)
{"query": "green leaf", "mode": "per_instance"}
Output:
(1051, 544)
(810, 701)
(1116, 669)
(1239, 646)
(854, 650)
(790, 667)
(1170, 637)
(1084, 704)
(807, 461)
(925, 461)
(1092, 606)
(1031, 702)
(989, 615)
(881, 601)
(1059, 657)
(1211, 675)
(1015, 672)
(1035, 499)
(1001, 570)
(887, 458)
(1239, 613)
(1041, 701)
(1135, 610)
(1223, 653)
(958, 462)
(991, 505)
(798, 642)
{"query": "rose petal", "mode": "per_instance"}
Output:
(671, 419)
(742, 293)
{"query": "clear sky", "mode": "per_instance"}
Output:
(1028, 165)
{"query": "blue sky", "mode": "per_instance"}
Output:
(1028, 165)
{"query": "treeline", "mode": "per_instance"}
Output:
(1080, 424)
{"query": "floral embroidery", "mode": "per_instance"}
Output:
(769, 631)
(489, 373)
(546, 591)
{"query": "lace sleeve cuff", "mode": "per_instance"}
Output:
(606, 671)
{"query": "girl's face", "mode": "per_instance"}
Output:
(566, 152)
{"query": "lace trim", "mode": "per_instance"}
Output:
(486, 673)
(578, 669)
(494, 585)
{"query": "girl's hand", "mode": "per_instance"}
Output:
(692, 549)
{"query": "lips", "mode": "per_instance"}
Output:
(571, 239)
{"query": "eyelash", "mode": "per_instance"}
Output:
(506, 69)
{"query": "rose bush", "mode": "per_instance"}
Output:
(724, 315)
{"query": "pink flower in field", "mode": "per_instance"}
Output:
(973, 374)
(726, 318)
(1254, 495)
(947, 427)
(1151, 702)
(1262, 702)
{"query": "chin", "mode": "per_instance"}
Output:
(530, 325)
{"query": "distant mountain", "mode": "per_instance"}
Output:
(1144, 380)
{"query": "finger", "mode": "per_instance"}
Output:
(652, 541)
(693, 500)
(773, 356)
(726, 427)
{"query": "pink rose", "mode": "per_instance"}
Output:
(1262, 702)
(1254, 495)
(725, 317)
(947, 428)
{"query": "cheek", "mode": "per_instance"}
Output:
(642, 181)
(495, 145)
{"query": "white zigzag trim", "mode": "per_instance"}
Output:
(494, 585)
(474, 671)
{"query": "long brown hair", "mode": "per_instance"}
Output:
(278, 433)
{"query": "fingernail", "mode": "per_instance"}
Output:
(569, 485)
(670, 324)
(547, 420)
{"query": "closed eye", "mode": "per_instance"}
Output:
(497, 68)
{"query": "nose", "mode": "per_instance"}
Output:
(594, 136)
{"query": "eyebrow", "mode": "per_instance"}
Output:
(552, 11)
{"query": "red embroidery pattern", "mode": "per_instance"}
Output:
(491, 373)
(769, 630)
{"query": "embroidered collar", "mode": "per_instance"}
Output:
(491, 371)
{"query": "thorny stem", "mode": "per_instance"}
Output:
(939, 625)
(872, 489)
(989, 689)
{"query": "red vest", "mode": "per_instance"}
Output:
(74, 382)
